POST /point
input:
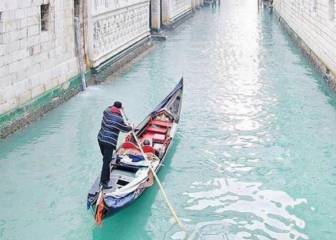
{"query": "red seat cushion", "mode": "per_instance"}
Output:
(148, 149)
(157, 130)
(147, 135)
(128, 145)
(161, 123)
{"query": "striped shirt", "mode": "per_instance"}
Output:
(112, 124)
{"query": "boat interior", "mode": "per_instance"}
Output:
(155, 134)
(128, 163)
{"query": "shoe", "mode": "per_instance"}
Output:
(106, 186)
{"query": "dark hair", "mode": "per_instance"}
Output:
(117, 104)
(146, 142)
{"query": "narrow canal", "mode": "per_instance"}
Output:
(254, 156)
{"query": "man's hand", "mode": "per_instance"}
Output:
(132, 126)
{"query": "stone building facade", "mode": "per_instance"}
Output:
(37, 51)
(45, 43)
(113, 26)
(174, 9)
(313, 24)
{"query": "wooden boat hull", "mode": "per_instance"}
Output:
(119, 197)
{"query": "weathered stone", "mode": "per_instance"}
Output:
(33, 30)
(15, 56)
(313, 29)
(38, 66)
(24, 97)
(172, 10)
(20, 14)
(156, 15)
(22, 34)
(2, 49)
(14, 66)
(33, 11)
(38, 90)
(33, 20)
(5, 81)
(116, 26)
(4, 70)
(12, 47)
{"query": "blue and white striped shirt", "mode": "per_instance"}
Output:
(112, 124)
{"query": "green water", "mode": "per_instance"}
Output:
(254, 156)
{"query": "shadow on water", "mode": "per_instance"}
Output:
(138, 213)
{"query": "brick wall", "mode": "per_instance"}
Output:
(33, 60)
(314, 21)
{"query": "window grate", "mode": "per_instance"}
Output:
(76, 8)
(44, 17)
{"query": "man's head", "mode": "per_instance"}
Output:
(117, 104)
(146, 142)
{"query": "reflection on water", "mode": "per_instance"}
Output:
(244, 210)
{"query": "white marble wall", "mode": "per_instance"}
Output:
(314, 21)
(172, 9)
(33, 61)
(114, 25)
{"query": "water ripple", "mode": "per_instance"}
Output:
(244, 210)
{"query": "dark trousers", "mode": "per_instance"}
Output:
(107, 151)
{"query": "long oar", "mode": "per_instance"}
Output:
(155, 176)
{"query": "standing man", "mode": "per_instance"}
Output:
(112, 123)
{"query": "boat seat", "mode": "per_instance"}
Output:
(161, 123)
(157, 130)
(148, 149)
(159, 138)
(125, 167)
(129, 145)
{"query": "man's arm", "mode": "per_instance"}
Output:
(124, 127)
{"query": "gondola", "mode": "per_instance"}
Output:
(130, 172)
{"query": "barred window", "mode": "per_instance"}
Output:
(44, 17)
(76, 8)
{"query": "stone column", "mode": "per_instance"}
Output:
(155, 15)
(165, 12)
(193, 5)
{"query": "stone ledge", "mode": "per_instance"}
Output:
(158, 36)
(178, 20)
(328, 75)
(115, 63)
(22, 116)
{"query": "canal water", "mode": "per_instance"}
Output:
(254, 156)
